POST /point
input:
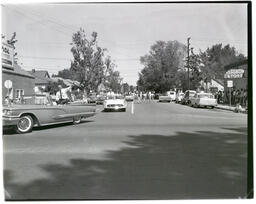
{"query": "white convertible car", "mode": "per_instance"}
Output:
(115, 103)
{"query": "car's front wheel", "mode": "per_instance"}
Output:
(25, 124)
(77, 120)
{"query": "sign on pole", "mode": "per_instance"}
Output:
(229, 83)
(8, 84)
(7, 55)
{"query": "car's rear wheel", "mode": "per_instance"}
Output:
(25, 124)
(77, 120)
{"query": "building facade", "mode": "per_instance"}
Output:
(236, 75)
(16, 82)
(42, 78)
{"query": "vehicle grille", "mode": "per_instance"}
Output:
(115, 105)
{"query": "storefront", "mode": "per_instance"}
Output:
(236, 83)
(16, 82)
(236, 76)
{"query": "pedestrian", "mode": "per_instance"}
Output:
(222, 97)
(233, 96)
(7, 100)
(218, 97)
(246, 98)
(237, 96)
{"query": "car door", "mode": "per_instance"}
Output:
(193, 99)
(49, 114)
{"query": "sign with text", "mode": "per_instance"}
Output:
(234, 73)
(229, 83)
(7, 55)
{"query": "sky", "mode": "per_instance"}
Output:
(44, 31)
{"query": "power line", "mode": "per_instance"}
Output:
(35, 20)
(49, 19)
(44, 58)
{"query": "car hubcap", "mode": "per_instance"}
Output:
(24, 124)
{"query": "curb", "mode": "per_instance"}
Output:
(230, 109)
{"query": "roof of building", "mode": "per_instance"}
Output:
(42, 76)
(40, 73)
(18, 71)
(236, 65)
(219, 81)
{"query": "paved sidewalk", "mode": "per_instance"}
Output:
(230, 108)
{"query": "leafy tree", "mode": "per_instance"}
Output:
(215, 58)
(65, 74)
(195, 76)
(112, 78)
(90, 66)
(161, 66)
(126, 87)
(88, 60)
(53, 87)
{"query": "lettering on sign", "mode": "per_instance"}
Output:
(234, 73)
(7, 55)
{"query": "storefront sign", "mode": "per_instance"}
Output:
(229, 83)
(7, 55)
(234, 73)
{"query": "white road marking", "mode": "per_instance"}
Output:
(132, 109)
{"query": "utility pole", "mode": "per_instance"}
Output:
(188, 63)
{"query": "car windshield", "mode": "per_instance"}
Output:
(205, 96)
(192, 93)
(115, 97)
(171, 93)
(119, 97)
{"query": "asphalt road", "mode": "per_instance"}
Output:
(162, 151)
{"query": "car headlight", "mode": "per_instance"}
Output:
(6, 112)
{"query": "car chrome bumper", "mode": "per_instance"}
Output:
(10, 121)
(207, 104)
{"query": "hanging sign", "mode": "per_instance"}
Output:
(234, 73)
(7, 55)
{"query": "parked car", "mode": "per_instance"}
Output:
(92, 98)
(115, 103)
(179, 97)
(172, 94)
(23, 117)
(156, 96)
(187, 96)
(129, 97)
(165, 98)
(100, 99)
(203, 100)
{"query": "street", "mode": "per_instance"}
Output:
(162, 151)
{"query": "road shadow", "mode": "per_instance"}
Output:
(198, 165)
(11, 131)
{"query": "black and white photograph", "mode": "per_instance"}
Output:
(126, 101)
